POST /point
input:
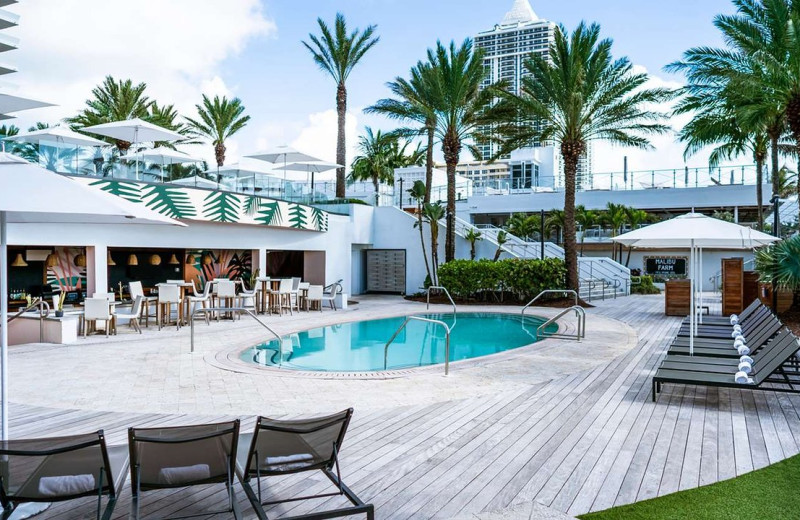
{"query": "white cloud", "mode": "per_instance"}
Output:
(318, 137)
(215, 87)
(67, 47)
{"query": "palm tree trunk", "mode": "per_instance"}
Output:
(760, 191)
(452, 149)
(472, 251)
(773, 144)
(571, 153)
(219, 153)
(434, 252)
(341, 154)
(377, 192)
(429, 162)
(422, 241)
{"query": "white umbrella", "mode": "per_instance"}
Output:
(32, 194)
(196, 181)
(135, 131)
(59, 135)
(9, 103)
(161, 156)
(239, 170)
(695, 232)
(285, 154)
(311, 167)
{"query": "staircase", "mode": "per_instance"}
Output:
(600, 277)
(787, 212)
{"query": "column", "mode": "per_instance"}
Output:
(260, 261)
(96, 269)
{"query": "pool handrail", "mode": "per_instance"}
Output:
(580, 313)
(428, 304)
(447, 330)
(551, 291)
(205, 310)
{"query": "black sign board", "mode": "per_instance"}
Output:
(670, 265)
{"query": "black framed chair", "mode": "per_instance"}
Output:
(58, 469)
(279, 447)
(183, 456)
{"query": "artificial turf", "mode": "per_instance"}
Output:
(771, 493)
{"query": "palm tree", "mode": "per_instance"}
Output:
(585, 218)
(501, 238)
(113, 100)
(217, 121)
(780, 264)
(375, 163)
(522, 225)
(432, 213)
(614, 217)
(462, 107)
(472, 236)
(416, 99)
(634, 218)
(337, 54)
(580, 94)
(555, 222)
(417, 192)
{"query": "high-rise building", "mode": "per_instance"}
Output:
(520, 34)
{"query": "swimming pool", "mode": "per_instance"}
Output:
(359, 346)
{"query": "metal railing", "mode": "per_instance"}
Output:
(206, 310)
(447, 331)
(44, 311)
(439, 287)
(551, 291)
(580, 314)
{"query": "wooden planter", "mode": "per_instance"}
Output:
(677, 294)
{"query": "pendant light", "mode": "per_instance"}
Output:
(191, 260)
(155, 260)
(208, 259)
(51, 260)
(19, 261)
(132, 260)
(109, 260)
(173, 260)
(79, 260)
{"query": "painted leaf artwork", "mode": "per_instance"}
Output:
(185, 202)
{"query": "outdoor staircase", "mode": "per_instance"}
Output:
(787, 212)
(600, 277)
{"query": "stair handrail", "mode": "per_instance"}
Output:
(580, 314)
(550, 291)
(447, 331)
(428, 303)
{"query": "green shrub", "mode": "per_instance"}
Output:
(643, 285)
(524, 279)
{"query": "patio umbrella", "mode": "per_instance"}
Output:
(285, 154)
(135, 131)
(59, 135)
(162, 156)
(196, 181)
(239, 170)
(9, 103)
(311, 167)
(695, 232)
(32, 194)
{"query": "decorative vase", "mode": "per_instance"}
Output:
(59, 314)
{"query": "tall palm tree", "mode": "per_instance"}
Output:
(417, 192)
(113, 100)
(416, 100)
(462, 108)
(218, 120)
(337, 53)
(581, 94)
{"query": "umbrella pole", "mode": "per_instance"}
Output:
(691, 301)
(700, 290)
(3, 326)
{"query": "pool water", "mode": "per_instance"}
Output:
(359, 346)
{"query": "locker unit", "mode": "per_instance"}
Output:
(386, 270)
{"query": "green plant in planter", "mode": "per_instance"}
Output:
(643, 285)
(780, 264)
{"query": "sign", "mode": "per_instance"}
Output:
(665, 265)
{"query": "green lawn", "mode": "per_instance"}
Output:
(766, 494)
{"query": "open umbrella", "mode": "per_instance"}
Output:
(285, 154)
(161, 156)
(311, 167)
(60, 136)
(695, 232)
(32, 194)
(9, 103)
(237, 171)
(135, 131)
(196, 181)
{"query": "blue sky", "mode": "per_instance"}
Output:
(253, 50)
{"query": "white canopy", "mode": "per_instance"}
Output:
(9, 103)
(695, 230)
(135, 131)
(162, 156)
(282, 153)
(196, 181)
(310, 166)
(57, 134)
(32, 194)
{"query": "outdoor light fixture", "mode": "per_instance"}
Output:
(19, 261)
(132, 260)
(109, 260)
(173, 260)
(51, 260)
(79, 260)
(155, 260)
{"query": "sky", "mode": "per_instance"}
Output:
(252, 49)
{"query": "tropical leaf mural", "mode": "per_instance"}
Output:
(168, 200)
(320, 219)
(127, 190)
(253, 205)
(270, 214)
(222, 206)
(297, 216)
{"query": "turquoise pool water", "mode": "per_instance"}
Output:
(359, 346)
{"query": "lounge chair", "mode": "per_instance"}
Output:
(183, 456)
(724, 331)
(59, 469)
(724, 347)
(726, 320)
(295, 446)
(778, 368)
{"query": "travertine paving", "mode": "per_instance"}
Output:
(493, 440)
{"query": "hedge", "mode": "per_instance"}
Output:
(523, 279)
(643, 285)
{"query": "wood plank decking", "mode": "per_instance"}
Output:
(584, 442)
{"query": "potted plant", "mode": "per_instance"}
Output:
(58, 304)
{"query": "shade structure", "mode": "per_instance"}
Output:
(58, 135)
(312, 167)
(282, 153)
(162, 156)
(196, 181)
(32, 194)
(695, 232)
(9, 103)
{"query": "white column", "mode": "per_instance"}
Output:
(260, 261)
(3, 327)
(736, 214)
(96, 269)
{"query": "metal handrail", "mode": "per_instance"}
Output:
(40, 304)
(206, 310)
(447, 330)
(428, 305)
(551, 291)
(581, 332)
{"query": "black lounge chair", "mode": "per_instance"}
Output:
(724, 331)
(724, 347)
(295, 446)
(183, 456)
(777, 368)
(726, 320)
(58, 469)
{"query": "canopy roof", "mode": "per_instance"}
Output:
(195, 180)
(282, 153)
(695, 229)
(161, 155)
(57, 134)
(134, 131)
(9, 103)
(310, 166)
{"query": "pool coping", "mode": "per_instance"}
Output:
(229, 358)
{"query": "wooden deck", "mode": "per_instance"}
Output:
(585, 442)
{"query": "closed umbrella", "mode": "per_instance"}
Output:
(311, 167)
(284, 154)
